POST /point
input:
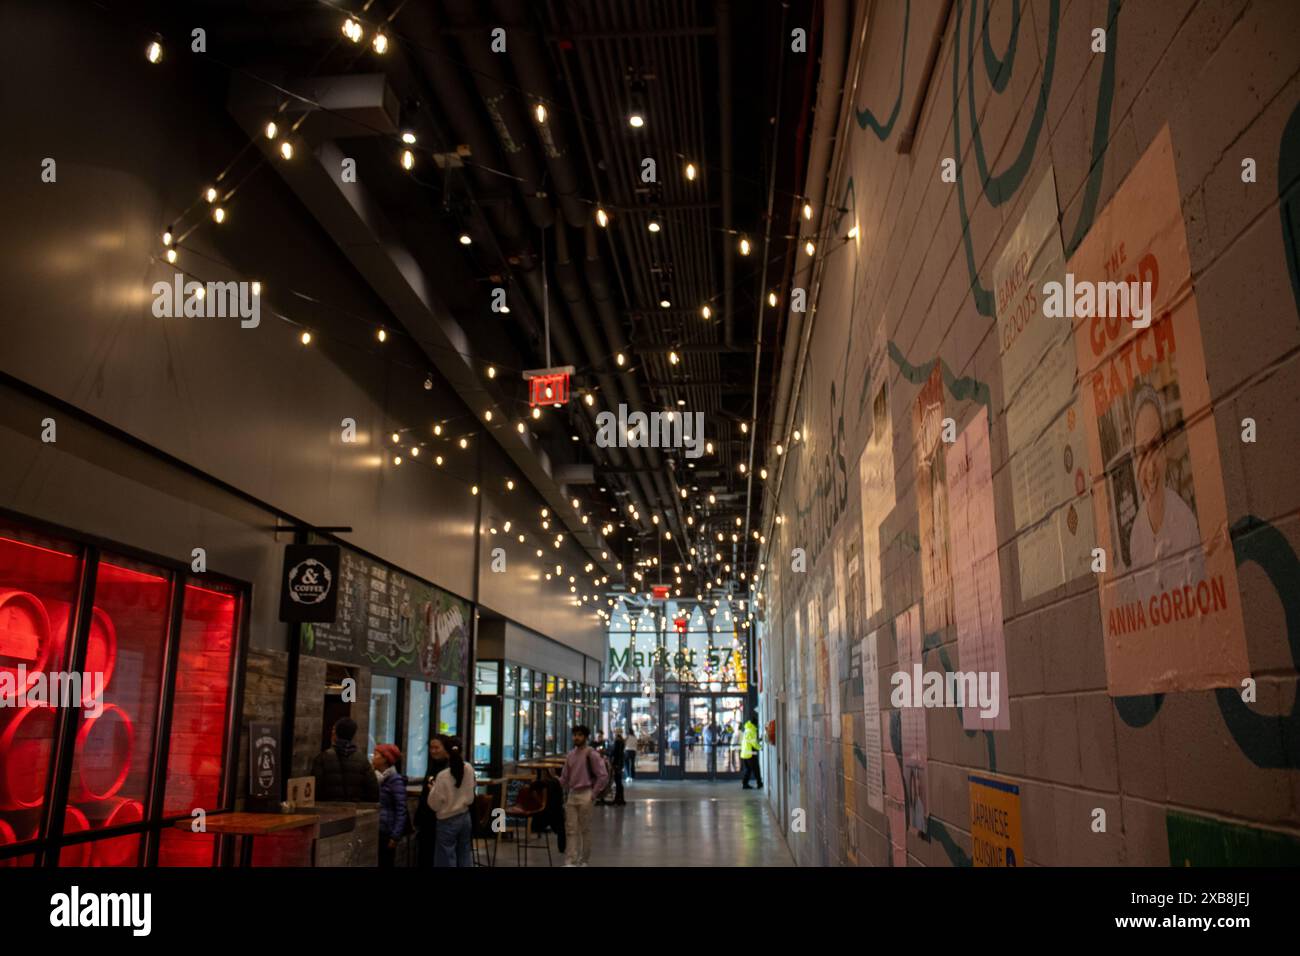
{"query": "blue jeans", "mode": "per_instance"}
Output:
(453, 847)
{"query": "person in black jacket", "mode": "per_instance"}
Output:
(342, 773)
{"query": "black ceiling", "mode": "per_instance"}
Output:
(717, 86)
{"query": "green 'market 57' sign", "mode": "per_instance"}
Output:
(659, 657)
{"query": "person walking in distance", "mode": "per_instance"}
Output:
(394, 822)
(583, 777)
(618, 755)
(749, 747)
(629, 753)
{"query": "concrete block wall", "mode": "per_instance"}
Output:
(1223, 76)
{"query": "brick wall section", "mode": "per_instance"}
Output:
(1224, 76)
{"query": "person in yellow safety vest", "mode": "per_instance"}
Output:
(749, 747)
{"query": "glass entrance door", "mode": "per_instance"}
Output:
(711, 736)
(645, 727)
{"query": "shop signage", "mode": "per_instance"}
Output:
(309, 586)
(263, 760)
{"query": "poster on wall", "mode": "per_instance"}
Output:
(916, 784)
(932, 502)
(1046, 448)
(995, 836)
(895, 796)
(876, 481)
(871, 720)
(1170, 607)
(976, 577)
(393, 623)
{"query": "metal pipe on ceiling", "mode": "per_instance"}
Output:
(530, 61)
(728, 158)
(496, 90)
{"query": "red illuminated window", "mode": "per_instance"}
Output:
(38, 582)
(109, 816)
(199, 710)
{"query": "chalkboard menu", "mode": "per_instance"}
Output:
(393, 623)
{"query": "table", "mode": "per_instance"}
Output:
(251, 825)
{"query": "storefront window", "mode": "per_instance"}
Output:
(38, 585)
(509, 723)
(525, 682)
(114, 744)
(486, 674)
(525, 729)
(448, 709)
(419, 699)
(512, 681)
(196, 750)
(383, 711)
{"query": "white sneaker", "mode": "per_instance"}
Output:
(571, 864)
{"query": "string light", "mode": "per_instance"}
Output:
(381, 335)
(602, 217)
(286, 150)
(807, 211)
(210, 194)
(809, 248)
(428, 382)
(473, 490)
(380, 43)
(672, 357)
(744, 246)
(408, 137)
(521, 428)
(620, 359)
(706, 312)
(690, 172)
(537, 412)
(853, 233)
(465, 240)
(464, 443)
(154, 52)
(771, 299)
(636, 121)
(590, 399)
(305, 338)
(218, 215)
(352, 30)
(271, 129)
(540, 112)
(652, 226)
(171, 256)
(408, 159)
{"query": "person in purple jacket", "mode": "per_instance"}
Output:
(393, 819)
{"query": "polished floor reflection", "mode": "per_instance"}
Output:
(681, 823)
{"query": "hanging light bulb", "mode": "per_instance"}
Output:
(397, 459)
(271, 129)
(154, 51)
(286, 150)
(465, 240)
(706, 312)
(428, 382)
(853, 233)
(652, 226)
(218, 215)
(381, 335)
(438, 461)
(602, 217)
(408, 159)
(807, 211)
(690, 172)
(636, 120)
(744, 246)
(415, 451)
(537, 412)
(590, 399)
(771, 299)
(540, 112)
(210, 194)
(665, 303)
(380, 43)
(396, 438)
(672, 357)
(620, 359)
(305, 338)
(473, 489)
(437, 429)
(521, 427)
(809, 248)
(171, 256)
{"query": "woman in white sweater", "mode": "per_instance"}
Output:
(450, 798)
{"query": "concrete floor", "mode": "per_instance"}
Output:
(679, 823)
